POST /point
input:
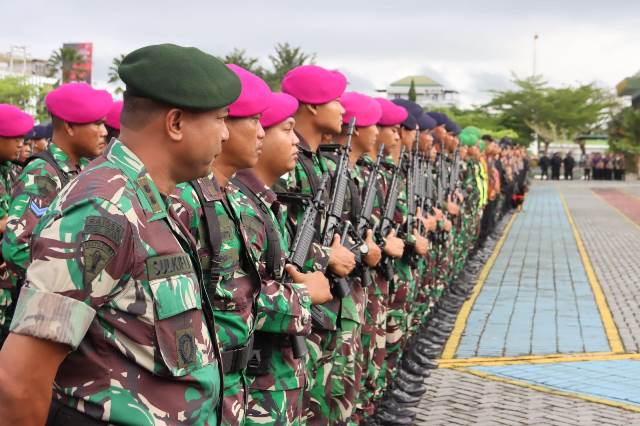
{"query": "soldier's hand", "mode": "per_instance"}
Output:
(393, 246)
(452, 207)
(429, 222)
(422, 244)
(316, 282)
(341, 260)
(373, 256)
(438, 214)
(447, 225)
(460, 195)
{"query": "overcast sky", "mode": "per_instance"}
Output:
(470, 46)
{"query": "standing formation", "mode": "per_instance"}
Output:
(233, 255)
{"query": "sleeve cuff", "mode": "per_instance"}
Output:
(51, 316)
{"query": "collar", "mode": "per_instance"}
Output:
(64, 162)
(133, 169)
(303, 145)
(249, 178)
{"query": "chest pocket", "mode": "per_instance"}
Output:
(183, 341)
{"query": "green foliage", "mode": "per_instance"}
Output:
(624, 131)
(114, 77)
(16, 91)
(412, 91)
(555, 114)
(42, 114)
(63, 62)
(284, 59)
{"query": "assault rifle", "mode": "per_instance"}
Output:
(300, 250)
(455, 172)
(389, 210)
(340, 286)
(364, 221)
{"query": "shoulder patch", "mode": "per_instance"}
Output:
(169, 265)
(37, 210)
(96, 255)
(46, 185)
(105, 226)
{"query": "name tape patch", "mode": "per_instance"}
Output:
(169, 265)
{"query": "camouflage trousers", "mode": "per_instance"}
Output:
(234, 403)
(346, 374)
(5, 304)
(374, 340)
(399, 316)
(322, 351)
(274, 407)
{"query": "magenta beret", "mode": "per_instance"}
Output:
(281, 107)
(254, 96)
(392, 114)
(364, 108)
(14, 122)
(79, 103)
(113, 118)
(314, 85)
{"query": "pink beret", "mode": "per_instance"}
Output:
(14, 122)
(254, 96)
(364, 108)
(281, 107)
(113, 118)
(314, 85)
(392, 114)
(79, 103)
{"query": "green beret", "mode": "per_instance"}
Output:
(469, 136)
(184, 77)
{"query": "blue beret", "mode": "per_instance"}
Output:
(451, 127)
(411, 107)
(40, 131)
(410, 123)
(439, 117)
(425, 122)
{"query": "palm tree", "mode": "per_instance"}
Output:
(114, 77)
(64, 61)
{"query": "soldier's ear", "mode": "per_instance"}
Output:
(174, 123)
(312, 109)
(68, 128)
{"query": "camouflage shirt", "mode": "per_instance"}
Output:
(6, 182)
(282, 307)
(122, 274)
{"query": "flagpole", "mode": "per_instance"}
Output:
(535, 48)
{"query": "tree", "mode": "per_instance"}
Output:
(284, 60)
(552, 113)
(114, 77)
(42, 114)
(624, 133)
(63, 62)
(412, 91)
(240, 58)
(16, 91)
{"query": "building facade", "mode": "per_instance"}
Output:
(429, 93)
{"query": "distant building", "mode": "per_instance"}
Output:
(429, 93)
(630, 87)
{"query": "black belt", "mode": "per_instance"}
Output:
(235, 360)
(61, 415)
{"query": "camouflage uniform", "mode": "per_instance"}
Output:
(234, 283)
(346, 372)
(123, 276)
(6, 289)
(375, 314)
(33, 193)
(282, 311)
(321, 343)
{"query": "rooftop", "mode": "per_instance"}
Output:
(419, 80)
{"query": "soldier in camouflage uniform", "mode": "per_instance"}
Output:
(78, 112)
(213, 207)
(375, 315)
(318, 114)
(277, 373)
(113, 304)
(14, 124)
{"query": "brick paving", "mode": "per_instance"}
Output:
(613, 245)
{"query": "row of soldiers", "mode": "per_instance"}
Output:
(233, 255)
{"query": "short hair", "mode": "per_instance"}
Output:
(137, 111)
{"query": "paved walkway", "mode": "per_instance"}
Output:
(552, 332)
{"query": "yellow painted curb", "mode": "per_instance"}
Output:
(603, 307)
(551, 391)
(461, 321)
(535, 359)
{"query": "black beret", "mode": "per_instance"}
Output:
(183, 77)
